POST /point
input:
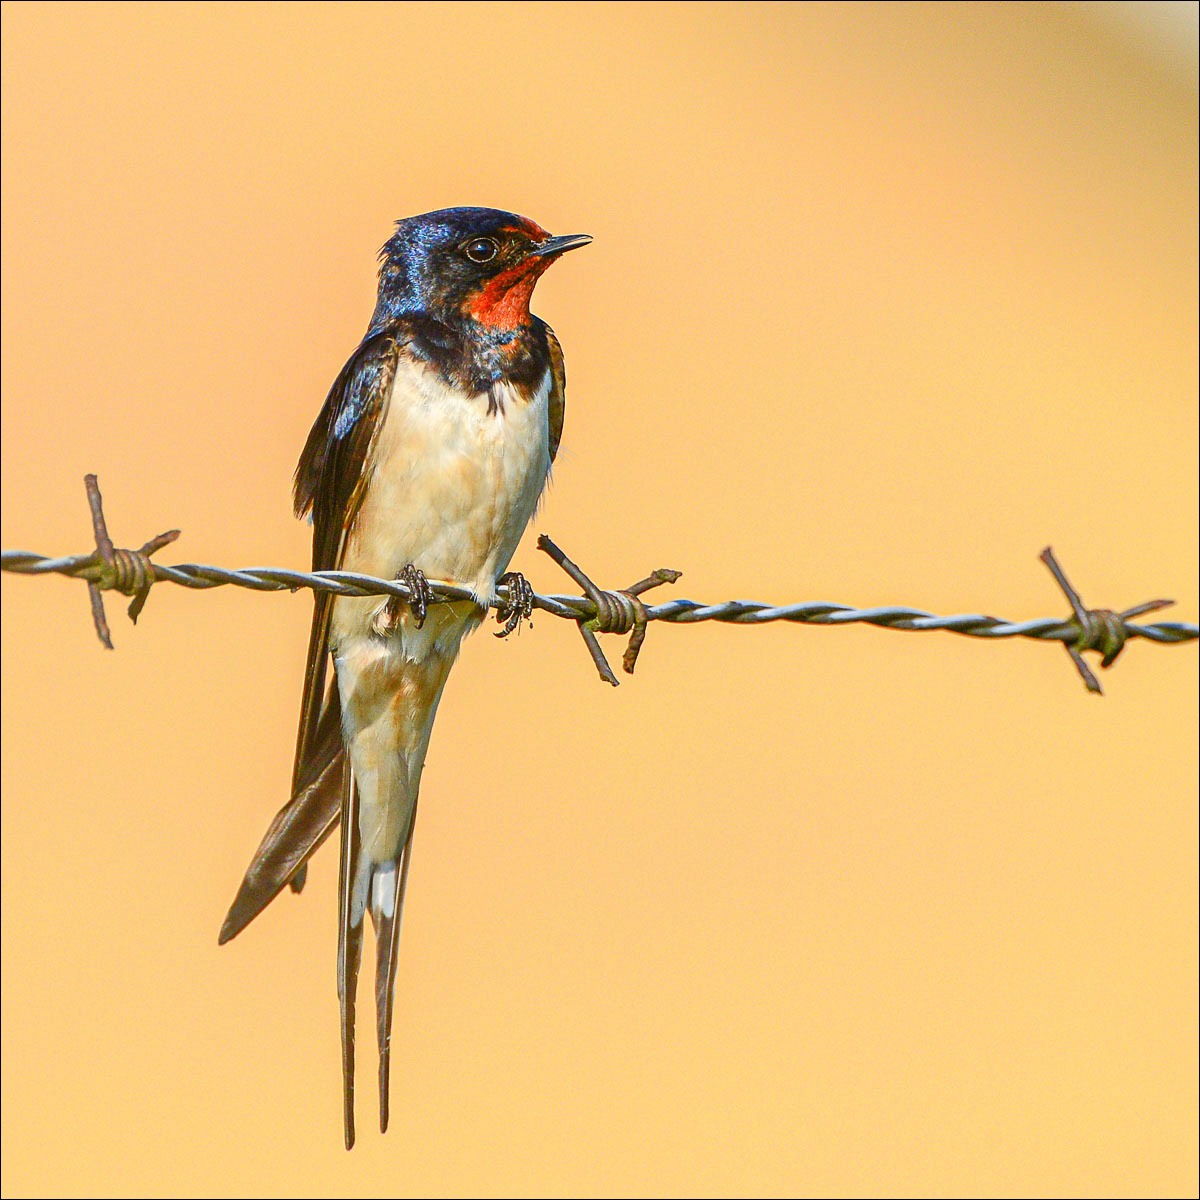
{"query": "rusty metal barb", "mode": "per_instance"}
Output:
(597, 611)
(1099, 629)
(614, 612)
(129, 572)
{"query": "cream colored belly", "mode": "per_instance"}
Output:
(451, 490)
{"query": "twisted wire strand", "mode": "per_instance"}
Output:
(580, 608)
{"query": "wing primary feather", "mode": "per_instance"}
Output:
(328, 484)
(317, 699)
(298, 829)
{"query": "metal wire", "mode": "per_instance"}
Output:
(598, 611)
(676, 612)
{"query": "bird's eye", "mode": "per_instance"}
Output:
(481, 250)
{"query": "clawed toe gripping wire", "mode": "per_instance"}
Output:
(516, 604)
(132, 573)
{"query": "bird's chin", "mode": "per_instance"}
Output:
(503, 302)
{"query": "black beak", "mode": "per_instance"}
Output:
(560, 245)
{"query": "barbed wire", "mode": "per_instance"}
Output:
(132, 573)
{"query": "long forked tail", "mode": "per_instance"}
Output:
(350, 932)
(387, 909)
(377, 888)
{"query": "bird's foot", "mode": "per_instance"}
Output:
(419, 596)
(518, 606)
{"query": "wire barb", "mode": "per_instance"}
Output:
(129, 572)
(1099, 629)
(614, 612)
(596, 611)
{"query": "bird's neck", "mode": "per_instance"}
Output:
(477, 355)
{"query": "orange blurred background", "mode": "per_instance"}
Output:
(883, 299)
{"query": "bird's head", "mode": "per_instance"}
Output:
(466, 264)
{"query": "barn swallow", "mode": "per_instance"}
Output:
(427, 460)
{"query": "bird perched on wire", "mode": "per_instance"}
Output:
(428, 459)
